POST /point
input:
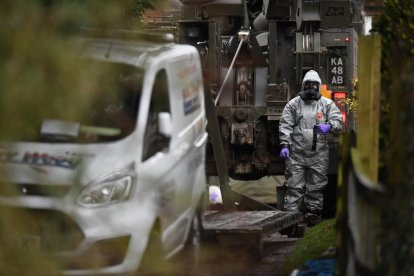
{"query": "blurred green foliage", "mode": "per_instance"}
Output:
(36, 66)
(34, 40)
(396, 26)
(319, 242)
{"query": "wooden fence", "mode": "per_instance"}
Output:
(360, 194)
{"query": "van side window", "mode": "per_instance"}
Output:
(154, 141)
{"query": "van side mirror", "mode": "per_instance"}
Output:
(165, 123)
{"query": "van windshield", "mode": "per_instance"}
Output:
(97, 103)
(112, 96)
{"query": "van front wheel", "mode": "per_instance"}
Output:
(192, 247)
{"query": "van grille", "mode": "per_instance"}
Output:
(49, 230)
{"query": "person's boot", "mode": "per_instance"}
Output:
(312, 219)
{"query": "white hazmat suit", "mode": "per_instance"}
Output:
(308, 154)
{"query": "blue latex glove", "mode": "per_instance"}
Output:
(323, 128)
(284, 153)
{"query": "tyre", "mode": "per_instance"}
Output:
(192, 247)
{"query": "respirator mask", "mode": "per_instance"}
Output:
(310, 91)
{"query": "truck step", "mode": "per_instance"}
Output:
(246, 228)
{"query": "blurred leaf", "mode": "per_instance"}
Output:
(39, 75)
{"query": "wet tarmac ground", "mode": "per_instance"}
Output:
(217, 260)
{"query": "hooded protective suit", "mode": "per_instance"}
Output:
(307, 165)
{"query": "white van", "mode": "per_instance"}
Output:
(129, 175)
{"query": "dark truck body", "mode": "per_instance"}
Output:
(284, 39)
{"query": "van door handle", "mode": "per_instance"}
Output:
(200, 141)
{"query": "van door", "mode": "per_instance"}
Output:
(160, 162)
(187, 105)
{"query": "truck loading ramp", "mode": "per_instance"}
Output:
(246, 228)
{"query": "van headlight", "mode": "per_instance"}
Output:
(105, 192)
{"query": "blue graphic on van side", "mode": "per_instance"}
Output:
(191, 104)
(36, 158)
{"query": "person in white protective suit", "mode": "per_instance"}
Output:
(305, 122)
